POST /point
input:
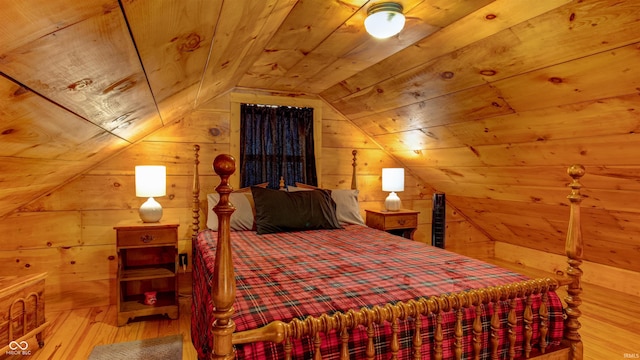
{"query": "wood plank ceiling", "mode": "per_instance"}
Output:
(488, 101)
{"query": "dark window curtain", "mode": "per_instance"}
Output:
(276, 141)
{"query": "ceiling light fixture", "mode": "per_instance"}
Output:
(384, 20)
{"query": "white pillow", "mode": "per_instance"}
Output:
(347, 206)
(241, 219)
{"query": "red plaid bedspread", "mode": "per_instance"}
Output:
(290, 275)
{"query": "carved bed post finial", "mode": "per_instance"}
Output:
(354, 183)
(223, 290)
(195, 227)
(573, 249)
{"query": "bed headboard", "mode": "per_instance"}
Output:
(196, 187)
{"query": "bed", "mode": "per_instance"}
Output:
(351, 292)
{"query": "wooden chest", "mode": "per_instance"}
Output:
(21, 313)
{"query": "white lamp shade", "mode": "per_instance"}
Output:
(151, 180)
(393, 179)
(384, 20)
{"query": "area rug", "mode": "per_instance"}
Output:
(164, 348)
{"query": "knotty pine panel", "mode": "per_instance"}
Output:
(526, 194)
(340, 56)
(97, 225)
(112, 94)
(452, 157)
(343, 134)
(63, 264)
(612, 177)
(173, 39)
(456, 36)
(576, 30)
(320, 68)
(468, 205)
(513, 60)
(24, 179)
(368, 162)
(330, 113)
(539, 176)
(237, 46)
(400, 107)
(89, 192)
(20, 173)
(420, 111)
(599, 76)
(79, 295)
(423, 139)
(576, 120)
(178, 157)
(113, 192)
(602, 275)
(597, 151)
(41, 230)
(34, 19)
(464, 238)
(179, 104)
(302, 31)
(200, 127)
(517, 224)
(425, 206)
(13, 198)
(33, 129)
(220, 103)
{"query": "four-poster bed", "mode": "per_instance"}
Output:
(353, 292)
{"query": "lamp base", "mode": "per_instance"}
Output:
(392, 202)
(150, 211)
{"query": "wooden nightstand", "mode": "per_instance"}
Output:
(402, 222)
(147, 262)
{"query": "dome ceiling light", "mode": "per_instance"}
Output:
(384, 20)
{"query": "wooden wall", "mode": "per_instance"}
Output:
(69, 232)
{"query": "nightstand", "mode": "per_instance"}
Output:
(402, 222)
(147, 264)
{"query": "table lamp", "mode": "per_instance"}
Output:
(392, 180)
(151, 181)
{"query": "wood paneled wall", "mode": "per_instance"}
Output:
(69, 232)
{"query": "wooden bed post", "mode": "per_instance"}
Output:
(354, 182)
(195, 227)
(573, 249)
(223, 291)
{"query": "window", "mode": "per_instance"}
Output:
(245, 98)
(276, 141)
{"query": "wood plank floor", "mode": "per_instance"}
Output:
(610, 327)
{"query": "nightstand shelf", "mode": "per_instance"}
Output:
(135, 303)
(146, 274)
(402, 222)
(147, 262)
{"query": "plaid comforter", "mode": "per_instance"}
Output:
(289, 275)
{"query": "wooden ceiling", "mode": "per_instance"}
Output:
(488, 101)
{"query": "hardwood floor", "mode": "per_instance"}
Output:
(73, 334)
(610, 327)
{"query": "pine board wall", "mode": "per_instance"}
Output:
(69, 232)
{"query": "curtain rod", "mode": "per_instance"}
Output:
(277, 106)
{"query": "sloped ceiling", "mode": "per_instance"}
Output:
(488, 101)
